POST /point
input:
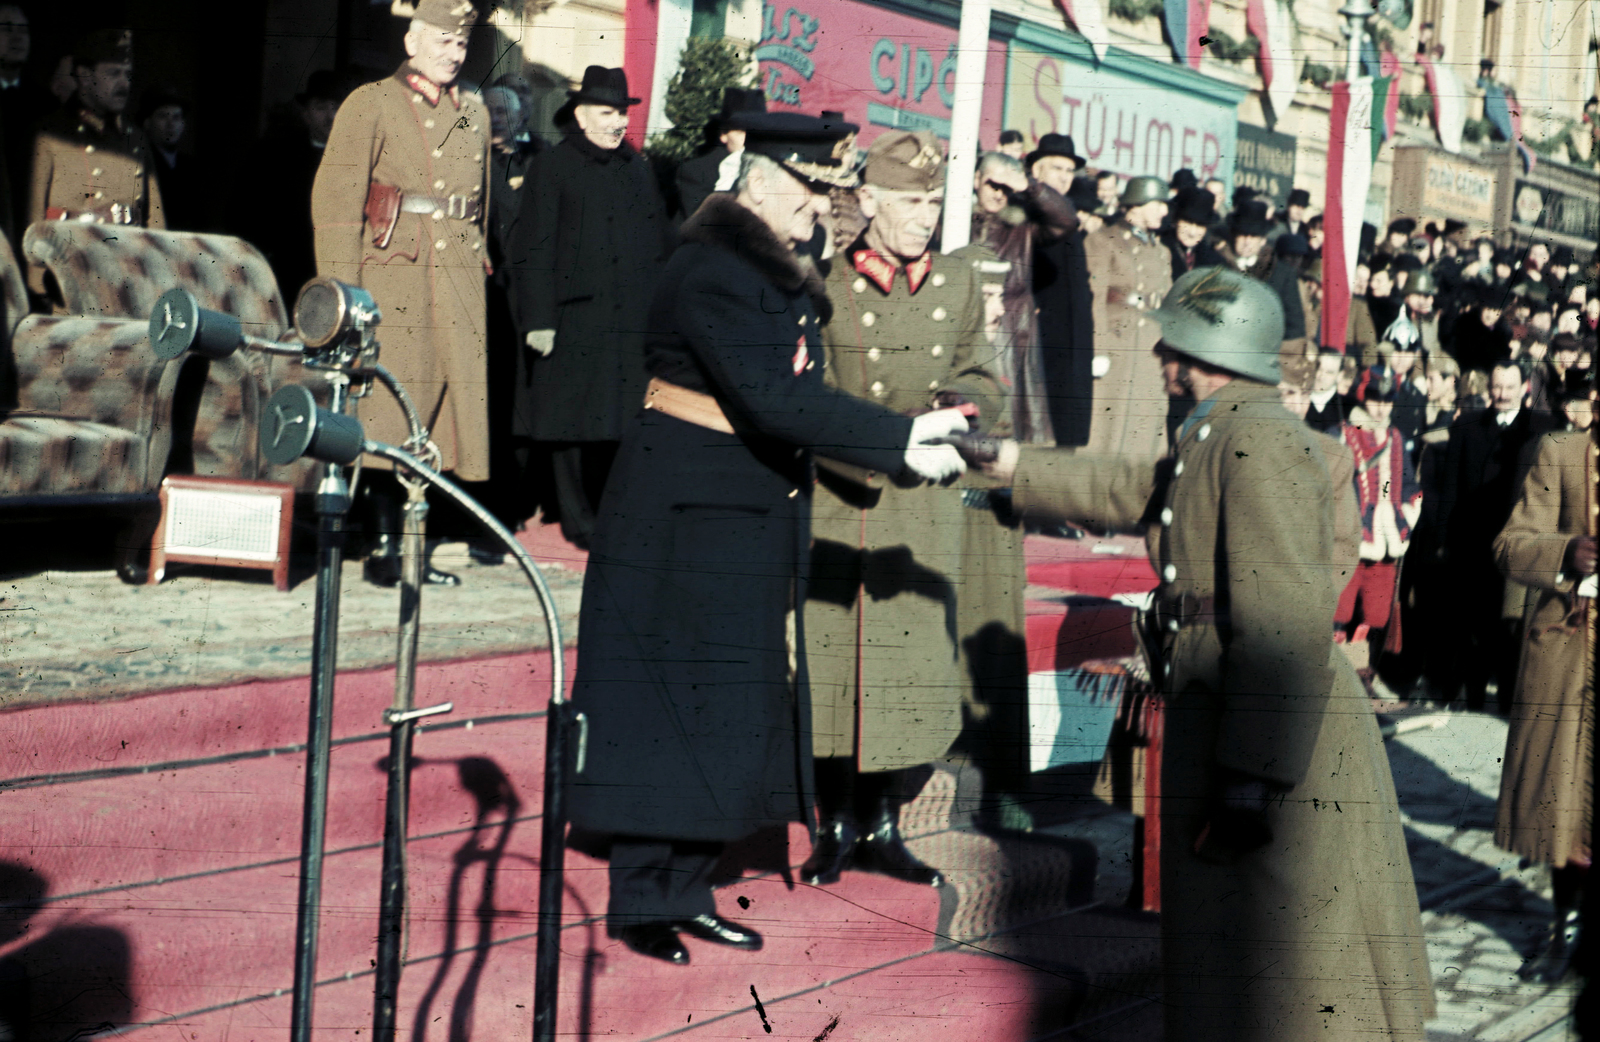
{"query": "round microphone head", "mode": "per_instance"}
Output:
(295, 426)
(320, 311)
(288, 425)
(174, 324)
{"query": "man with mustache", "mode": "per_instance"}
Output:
(398, 207)
(89, 163)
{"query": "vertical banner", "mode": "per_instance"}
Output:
(1449, 102)
(1270, 23)
(1187, 22)
(1350, 155)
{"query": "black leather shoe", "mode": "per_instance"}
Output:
(384, 570)
(881, 849)
(836, 843)
(718, 930)
(656, 940)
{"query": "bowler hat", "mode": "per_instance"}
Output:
(1196, 206)
(737, 102)
(602, 86)
(1249, 218)
(810, 148)
(1299, 197)
(1053, 145)
(1243, 194)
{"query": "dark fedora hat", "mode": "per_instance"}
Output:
(1299, 197)
(1053, 145)
(1182, 179)
(736, 103)
(602, 86)
(1249, 218)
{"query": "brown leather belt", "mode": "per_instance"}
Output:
(680, 403)
(459, 207)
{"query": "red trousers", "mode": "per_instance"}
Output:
(1373, 586)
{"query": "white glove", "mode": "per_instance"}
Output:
(543, 341)
(935, 462)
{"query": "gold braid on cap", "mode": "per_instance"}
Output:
(1206, 297)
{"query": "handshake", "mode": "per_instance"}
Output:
(943, 446)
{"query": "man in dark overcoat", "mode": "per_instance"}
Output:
(1066, 304)
(700, 176)
(585, 254)
(691, 654)
(1289, 913)
(398, 208)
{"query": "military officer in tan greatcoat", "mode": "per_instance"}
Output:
(881, 625)
(89, 162)
(399, 207)
(1129, 271)
(1289, 912)
(1545, 806)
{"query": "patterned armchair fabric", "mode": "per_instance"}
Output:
(93, 408)
(119, 271)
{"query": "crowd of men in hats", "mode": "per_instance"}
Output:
(802, 444)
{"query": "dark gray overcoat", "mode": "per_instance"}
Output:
(699, 727)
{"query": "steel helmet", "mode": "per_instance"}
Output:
(1141, 190)
(1224, 318)
(1422, 281)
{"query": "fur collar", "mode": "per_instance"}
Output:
(723, 223)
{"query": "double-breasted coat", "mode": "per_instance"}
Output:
(698, 726)
(883, 636)
(1128, 276)
(1317, 934)
(585, 254)
(405, 132)
(89, 167)
(1544, 806)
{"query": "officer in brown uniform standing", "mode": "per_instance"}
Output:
(1129, 271)
(881, 624)
(91, 164)
(399, 207)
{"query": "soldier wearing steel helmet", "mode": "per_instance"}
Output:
(1129, 271)
(1288, 907)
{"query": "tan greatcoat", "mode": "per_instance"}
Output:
(1317, 935)
(1544, 786)
(1128, 278)
(429, 279)
(881, 623)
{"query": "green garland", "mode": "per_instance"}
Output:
(708, 66)
(1416, 107)
(1228, 49)
(1135, 10)
(1318, 75)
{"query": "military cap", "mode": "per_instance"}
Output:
(102, 45)
(1299, 197)
(1377, 385)
(1422, 281)
(455, 16)
(1053, 145)
(1141, 190)
(812, 149)
(908, 160)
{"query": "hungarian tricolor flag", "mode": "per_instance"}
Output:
(1382, 66)
(1351, 150)
(1187, 21)
(1089, 18)
(1449, 102)
(1269, 22)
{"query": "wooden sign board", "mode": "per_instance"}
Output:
(220, 521)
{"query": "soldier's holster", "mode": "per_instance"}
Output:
(382, 212)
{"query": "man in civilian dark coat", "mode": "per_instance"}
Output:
(585, 253)
(699, 177)
(691, 649)
(1193, 213)
(1066, 305)
(1246, 250)
(1477, 487)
